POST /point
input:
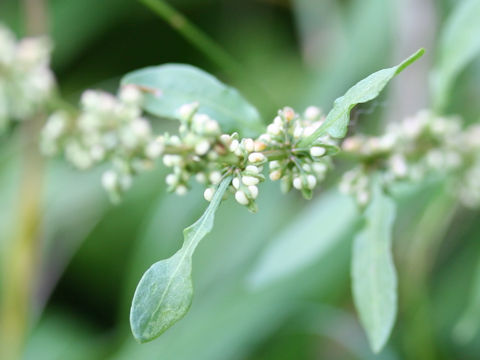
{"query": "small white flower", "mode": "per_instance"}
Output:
(249, 180)
(249, 145)
(274, 129)
(252, 169)
(201, 178)
(225, 139)
(109, 180)
(97, 153)
(312, 113)
(253, 191)
(320, 168)
(256, 157)
(317, 151)
(259, 146)
(236, 183)
(154, 149)
(141, 128)
(363, 197)
(275, 175)
(215, 177)
(171, 160)
(278, 121)
(171, 179)
(274, 164)
(311, 181)
(234, 145)
(298, 131)
(130, 94)
(202, 147)
(212, 127)
(208, 194)
(186, 110)
(399, 165)
(181, 190)
(297, 183)
(241, 197)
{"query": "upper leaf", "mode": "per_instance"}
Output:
(459, 44)
(169, 86)
(374, 279)
(367, 89)
(165, 291)
(315, 231)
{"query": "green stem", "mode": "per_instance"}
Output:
(207, 46)
(21, 253)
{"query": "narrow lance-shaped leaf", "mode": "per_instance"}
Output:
(367, 89)
(374, 280)
(169, 86)
(165, 291)
(459, 44)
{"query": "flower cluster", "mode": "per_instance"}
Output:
(107, 129)
(410, 150)
(26, 81)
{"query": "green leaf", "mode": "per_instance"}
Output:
(374, 280)
(165, 291)
(459, 44)
(314, 231)
(367, 89)
(468, 324)
(172, 85)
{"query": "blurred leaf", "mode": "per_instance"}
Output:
(459, 44)
(468, 325)
(165, 291)
(367, 89)
(374, 280)
(173, 85)
(314, 231)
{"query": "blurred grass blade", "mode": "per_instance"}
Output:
(459, 44)
(172, 85)
(165, 291)
(374, 279)
(311, 235)
(467, 327)
(367, 89)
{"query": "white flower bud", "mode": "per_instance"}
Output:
(259, 146)
(399, 165)
(256, 157)
(249, 180)
(171, 160)
(201, 178)
(319, 168)
(225, 139)
(298, 131)
(171, 179)
(275, 175)
(274, 129)
(241, 197)
(274, 164)
(297, 183)
(130, 94)
(109, 180)
(186, 110)
(317, 151)
(311, 181)
(252, 169)
(234, 145)
(215, 177)
(249, 145)
(202, 147)
(208, 194)
(363, 197)
(236, 183)
(278, 121)
(97, 153)
(181, 190)
(154, 149)
(312, 113)
(253, 191)
(212, 127)
(141, 128)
